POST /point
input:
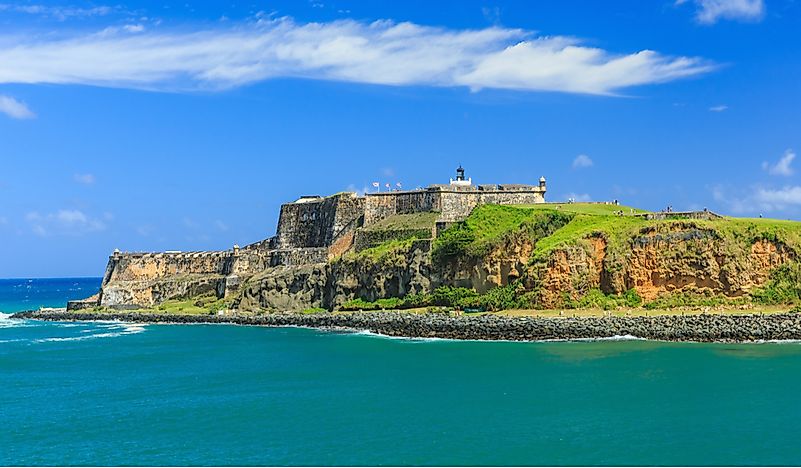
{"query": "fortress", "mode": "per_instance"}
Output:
(311, 230)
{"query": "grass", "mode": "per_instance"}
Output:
(585, 208)
(196, 306)
(406, 222)
(489, 225)
(615, 229)
(384, 251)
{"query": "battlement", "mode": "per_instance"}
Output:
(311, 230)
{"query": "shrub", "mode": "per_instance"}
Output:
(501, 298)
(452, 297)
(452, 242)
(632, 299)
(783, 287)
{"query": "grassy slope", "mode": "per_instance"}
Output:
(405, 222)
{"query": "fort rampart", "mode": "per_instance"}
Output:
(311, 230)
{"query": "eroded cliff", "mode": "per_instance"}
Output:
(541, 257)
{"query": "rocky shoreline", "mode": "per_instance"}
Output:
(699, 328)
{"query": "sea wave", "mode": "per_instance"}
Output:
(777, 342)
(372, 334)
(124, 329)
(7, 322)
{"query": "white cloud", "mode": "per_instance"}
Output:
(578, 197)
(758, 199)
(719, 108)
(13, 108)
(711, 11)
(382, 52)
(778, 199)
(86, 179)
(57, 12)
(582, 161)
(782, 166)
(134, 28)
(63, 222)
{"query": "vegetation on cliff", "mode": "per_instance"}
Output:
(603, 256)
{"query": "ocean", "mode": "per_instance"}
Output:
(110, 393)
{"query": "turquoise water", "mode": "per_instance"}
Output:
(29, 294)
(115, 393)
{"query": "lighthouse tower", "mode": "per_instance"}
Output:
(460, 180)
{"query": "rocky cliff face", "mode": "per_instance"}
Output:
(663, 259)
(396, 274)
(655, 259)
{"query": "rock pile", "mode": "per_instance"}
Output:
(706, 327)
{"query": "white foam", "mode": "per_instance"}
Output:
(125, 329)
(372, 334)
(776, 342)
(390, 337)
(612, 338)
(7, 322)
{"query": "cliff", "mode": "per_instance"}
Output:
(545, 256)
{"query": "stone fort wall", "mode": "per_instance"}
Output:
(316, 222)
(310, 230)
(454, 205)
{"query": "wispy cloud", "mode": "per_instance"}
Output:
(712, 11)
(758, 199)
(86, 179)
(14, 109)
(382, 52)
(582, 161)
(783, 167)
(578, 197)
(719, 108)
(60, 13)
(63, 222)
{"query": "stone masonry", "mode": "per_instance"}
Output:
(311, 230)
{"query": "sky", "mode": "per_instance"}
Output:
(184, 126)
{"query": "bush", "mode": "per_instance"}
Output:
(314, 310)
(675, 300)
(453, 242)
(359, 304)
(632, 299)
(501, 298)
(784, 287)
(452, 297)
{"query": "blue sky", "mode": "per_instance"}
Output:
(153, 126)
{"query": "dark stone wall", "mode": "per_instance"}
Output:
(317, 223)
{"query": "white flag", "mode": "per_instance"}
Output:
(376, 184)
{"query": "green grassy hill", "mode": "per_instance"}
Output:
(607, 256)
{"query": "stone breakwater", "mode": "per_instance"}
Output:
(707, 327)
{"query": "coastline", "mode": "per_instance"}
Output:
(689, 328)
